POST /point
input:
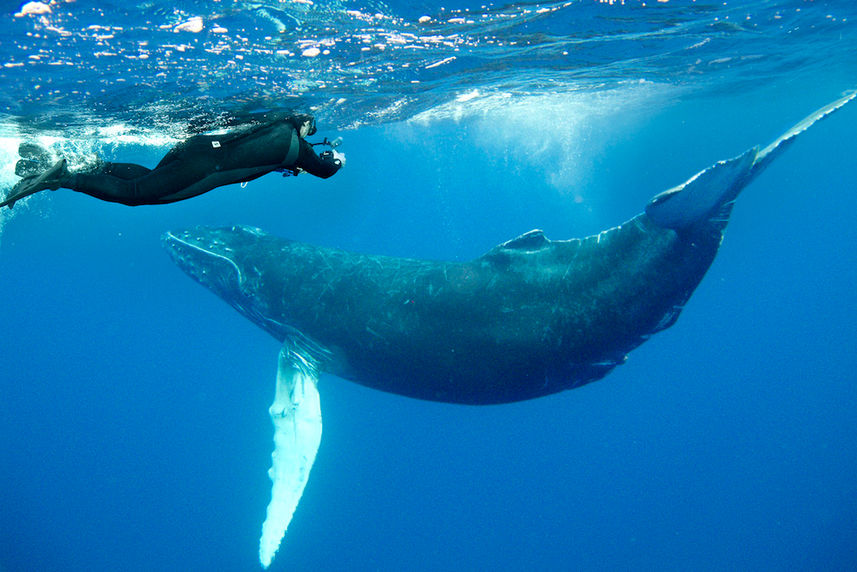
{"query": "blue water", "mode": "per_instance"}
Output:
(134, 432)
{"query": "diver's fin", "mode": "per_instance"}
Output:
(26, 168)
(709, 194)
(296, 414)
(30, 150)
(51, 179)
(35, 160)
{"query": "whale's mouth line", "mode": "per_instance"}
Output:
(208, 252)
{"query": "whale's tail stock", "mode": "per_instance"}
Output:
(709, 194)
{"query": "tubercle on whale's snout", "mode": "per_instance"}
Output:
(170, 242)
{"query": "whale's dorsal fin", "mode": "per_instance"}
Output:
(532, 241)
(529, 241)
(296, 414)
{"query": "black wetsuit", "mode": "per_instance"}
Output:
(204, 162)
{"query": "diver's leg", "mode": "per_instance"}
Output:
(112, 182)
(186, 175)
(103, 186)
(134, 185)
(100, 182)
(126, 171)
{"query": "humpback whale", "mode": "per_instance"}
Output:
(531, 317)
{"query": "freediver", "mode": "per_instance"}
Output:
(273, 141)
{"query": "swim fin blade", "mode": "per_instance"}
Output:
(34, 160)
(49, 180)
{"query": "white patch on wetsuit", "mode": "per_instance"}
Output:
(215, 144)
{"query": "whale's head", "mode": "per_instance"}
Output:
(226, 261)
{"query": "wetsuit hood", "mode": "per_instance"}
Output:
(305, 124)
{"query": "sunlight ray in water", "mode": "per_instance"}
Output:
(545, 129)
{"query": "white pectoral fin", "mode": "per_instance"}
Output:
(296, 415)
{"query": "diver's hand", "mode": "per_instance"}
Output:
(333, 156)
